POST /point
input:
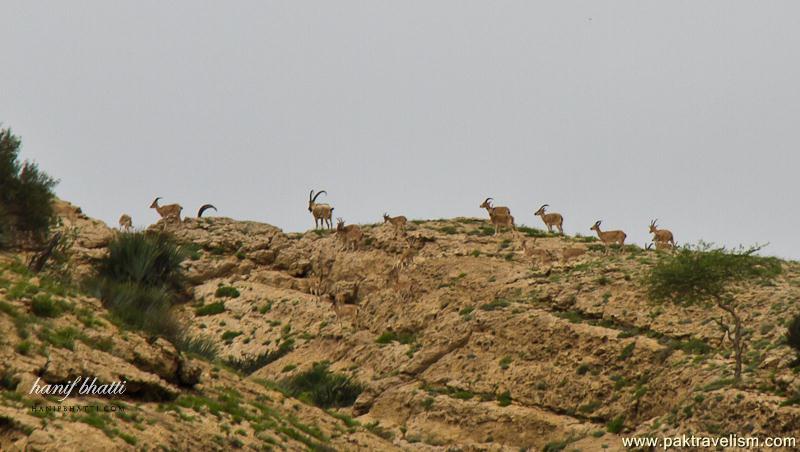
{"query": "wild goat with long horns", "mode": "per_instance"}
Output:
(321, 212)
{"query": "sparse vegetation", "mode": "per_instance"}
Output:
(227, 292)
(709, 275)
(322, 387)
(211, 309)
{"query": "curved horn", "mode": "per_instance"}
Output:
(310, 195)
(156, 200)
(204, 208)
(318, 193)
(597, 223)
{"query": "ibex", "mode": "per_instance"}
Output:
(125, 222)
(170, 211)
(341, 309)
(350, 234)
(398, 222)
(204, 208)
(540, 254)
(609, 237)
(322, 212)
(569, 253)
(662, 237)
(551, 219)
(407, 257)
(499, 216)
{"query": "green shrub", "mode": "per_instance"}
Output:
(211, 309)
(227, 292)
(44, 306)
(322, 387)
(627, 351)
(504, 398)
(615, 425)
(403, 337)
(26, 195)
(140, 307)
(138, 281)
(146, 259)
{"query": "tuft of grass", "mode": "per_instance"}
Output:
(504, 398)
(403, 337)
(616, 425)
(322, 387)
(43, 305)
(227, 292)
(498, 303)
(627, 351)
(211, 309)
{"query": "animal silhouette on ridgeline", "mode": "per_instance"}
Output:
(398, 223)
(350, 235)
(551, 219)
(125, 223)
(661, 237)
(321, 212)
(499, 216)
(609, 237)
(204, 208)
(169, 211)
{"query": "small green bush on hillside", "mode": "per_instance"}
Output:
(227, 292)
(713, 277)
(139, 280)
(322, 387)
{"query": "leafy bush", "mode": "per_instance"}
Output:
(227, 292)
(140, 307)
(44, 306)
(616, 424)
(26, 195)
(322, 387)
(211, 309)
(698, 274)
(793, 338)
(139, 279)
(146, 259)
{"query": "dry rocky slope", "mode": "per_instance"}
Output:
(471, 346)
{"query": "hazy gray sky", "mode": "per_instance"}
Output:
(616, 110)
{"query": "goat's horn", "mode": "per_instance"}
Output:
(204, 208)
(488, 199)
(543, 206)
(156, 200)
(318, 193)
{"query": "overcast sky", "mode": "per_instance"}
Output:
(615, 110)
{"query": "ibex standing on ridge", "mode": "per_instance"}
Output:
(321, 212)
(609, 237)
(125, 223)
(499, 216)
(351, 234)
(398, 223)
(170, 211)
(551, 219)
(662, 237)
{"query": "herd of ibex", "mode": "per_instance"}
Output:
(351, 235)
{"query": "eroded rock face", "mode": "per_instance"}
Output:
(461, 341)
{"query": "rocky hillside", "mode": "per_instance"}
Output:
(462, 340)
